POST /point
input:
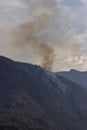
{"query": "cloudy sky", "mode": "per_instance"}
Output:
(51, 33)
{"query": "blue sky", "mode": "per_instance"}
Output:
(61, 24)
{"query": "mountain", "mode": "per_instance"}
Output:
(33, 98)
(79, 77)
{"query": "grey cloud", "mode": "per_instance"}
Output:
(52, 31)
(73, 3)
(45, 29)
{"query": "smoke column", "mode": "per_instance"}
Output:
(29, 34)
(48, 56)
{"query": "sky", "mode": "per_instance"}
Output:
(50, 33)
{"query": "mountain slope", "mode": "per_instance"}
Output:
(33, 98)
(75, 76)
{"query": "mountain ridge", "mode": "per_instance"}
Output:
(34, 98)
(79, 77)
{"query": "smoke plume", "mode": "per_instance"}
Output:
(48, 56)
(30, 34)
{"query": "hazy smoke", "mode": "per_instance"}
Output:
(48, 56)
(41, 28)
(30, 34)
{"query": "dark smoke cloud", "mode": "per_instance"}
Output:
(29, 34)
